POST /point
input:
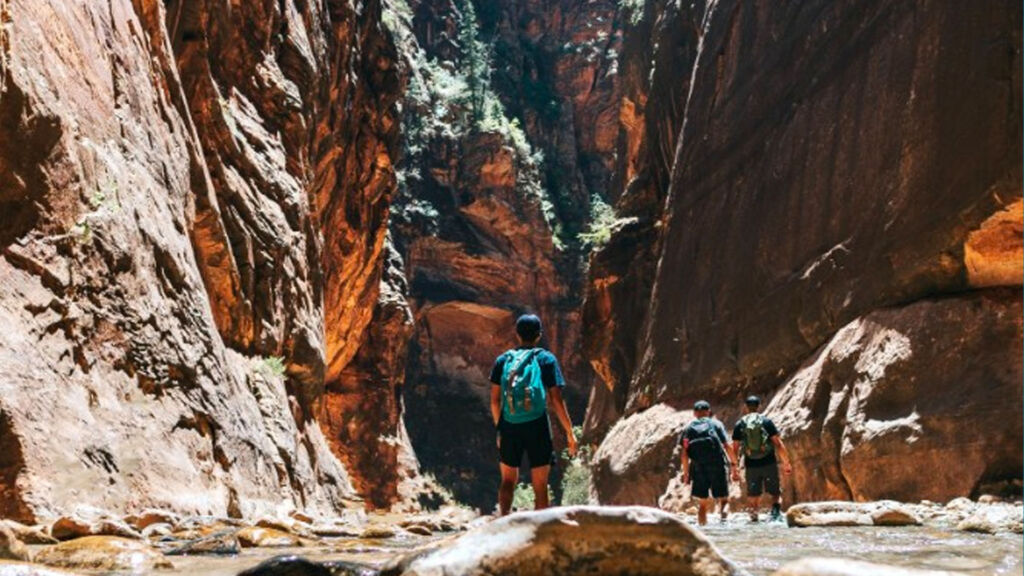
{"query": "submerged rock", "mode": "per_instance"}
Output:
(837, 513)
(574, 540)
(103, 553)
(846, 567)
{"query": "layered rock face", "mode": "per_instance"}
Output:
(190, 192)
(501, 131)
(847, 176)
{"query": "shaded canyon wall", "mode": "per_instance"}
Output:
(842, 206)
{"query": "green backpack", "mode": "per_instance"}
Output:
(523, 397)
(756, 443)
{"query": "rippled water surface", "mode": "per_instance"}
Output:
(762, 548)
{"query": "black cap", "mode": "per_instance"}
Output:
(753, 401)
(701, 405)
(528, 327)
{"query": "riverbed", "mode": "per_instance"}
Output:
(759, 548)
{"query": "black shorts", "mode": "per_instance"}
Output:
(533, 438)
(763, 479)
(709, 478)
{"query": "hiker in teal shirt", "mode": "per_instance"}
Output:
(527, 381)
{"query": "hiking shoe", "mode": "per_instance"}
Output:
(753, 516)
(723, 516)
(776, 513)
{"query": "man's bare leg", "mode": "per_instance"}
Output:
(509, 476)
(753, 503)
(539, 479)
(702, 510)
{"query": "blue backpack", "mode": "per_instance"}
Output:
(523, 397)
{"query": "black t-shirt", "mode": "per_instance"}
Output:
(739, 434)
(717, 428)
(550, 372)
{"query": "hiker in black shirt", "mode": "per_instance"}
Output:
(527, 382)
(758, 439)
(705, 447)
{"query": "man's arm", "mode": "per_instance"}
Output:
(780, 447)
(684, 460)
(557, 404)
(495, 404)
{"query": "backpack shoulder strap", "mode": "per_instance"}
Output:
(526, 359)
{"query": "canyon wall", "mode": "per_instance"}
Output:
(503, 133)
(843, 204)
(194, 200)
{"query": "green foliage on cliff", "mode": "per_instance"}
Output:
(273, 366)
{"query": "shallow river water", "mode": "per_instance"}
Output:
(758, 548)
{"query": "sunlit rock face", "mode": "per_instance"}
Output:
(505, 145)
(190, 190)
(837, 162)
(895, 398)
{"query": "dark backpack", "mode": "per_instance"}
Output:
(703, 444)
(756, 443)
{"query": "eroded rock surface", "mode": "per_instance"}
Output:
(812, 189)
(879, 411)
(194, 220)
(575, 540)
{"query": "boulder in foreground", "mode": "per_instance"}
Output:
(575, 540)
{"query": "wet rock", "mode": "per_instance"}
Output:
(10, 547)
(9, 568)
(218, 543)
(335, 530)
(304, 518)
(851, 514)
(993, 518)
(151, 516)
(637, 457)
(68, 527)
(574, 540)
(30, 534)
(285, 525)
(377, 532)
(298, 566)
(960, 504)
(103, 553)
(157, 530)
(847, 567)
(419, 529)
(257, 537)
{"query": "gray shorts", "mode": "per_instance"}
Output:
(763, 479)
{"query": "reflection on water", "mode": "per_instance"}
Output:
(764, 547)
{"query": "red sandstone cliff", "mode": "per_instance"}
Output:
(189, 190)
(844, 193)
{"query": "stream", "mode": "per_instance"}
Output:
(758, 548)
